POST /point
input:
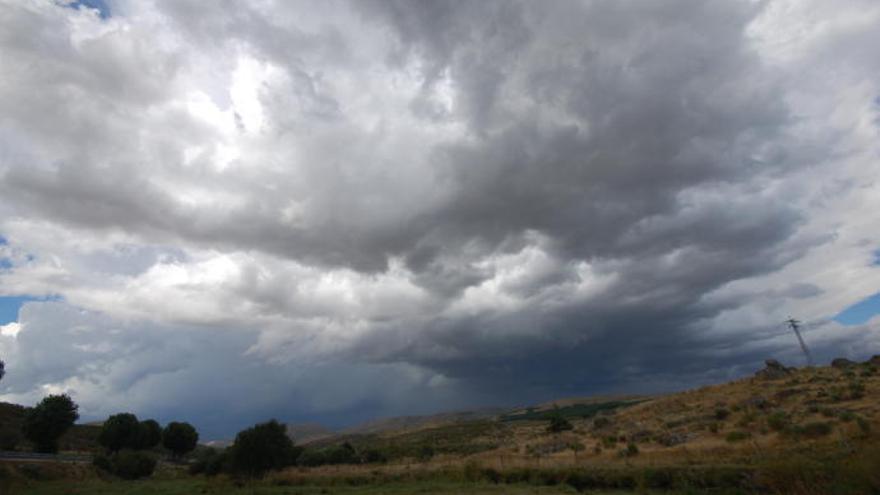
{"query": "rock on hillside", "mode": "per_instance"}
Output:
(773, 370)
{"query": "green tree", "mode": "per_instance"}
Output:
(558, 423)
(48, 420)
(120, 431)
(179, 438)
(150, 434)
(262, 447)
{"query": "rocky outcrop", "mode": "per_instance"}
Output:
(842, 363)
(773, 370)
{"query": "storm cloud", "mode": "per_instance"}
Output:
(340, 210)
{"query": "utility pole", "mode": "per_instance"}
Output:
(796, 328)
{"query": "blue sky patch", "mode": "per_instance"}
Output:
(860, 312)
(9, 306)
(101, 5)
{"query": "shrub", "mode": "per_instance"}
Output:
(814, 429)
(311, 458)
(856, 390)
(426, 452)
(346, 454)
(558, 423)
(131, 464)
(778, 421)
(262, 447)
(746, 419)
(9, 439)
(721, 414)
(847, 416)
(127, 464)
(864, 425)
(631, 450)
(374, 456)
(211, 462)
(601, 422)
(736, 436)
(103, 462)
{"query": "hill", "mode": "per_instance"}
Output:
(769, 415)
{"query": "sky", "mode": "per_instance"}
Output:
(224, 212)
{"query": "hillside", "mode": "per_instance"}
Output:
(777, 411)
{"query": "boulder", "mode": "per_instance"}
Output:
(842, 363)
(773, 370)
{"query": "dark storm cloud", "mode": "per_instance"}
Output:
(516, 199)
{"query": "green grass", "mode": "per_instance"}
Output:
(217, 487)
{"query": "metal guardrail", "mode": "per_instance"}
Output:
(33, 456)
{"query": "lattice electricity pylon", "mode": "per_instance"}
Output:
(796, 328)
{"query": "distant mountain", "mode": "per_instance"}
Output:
(404, 423)
(303, 433)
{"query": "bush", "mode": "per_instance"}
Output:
(127, 464)
(373, 456)
(815, 429)
(631, 450)
(601, 422)
(856, 390)
(132, 464)
(312, 458)
(211, 462)
(778, 421)
(558, 423)
(736, 436)
(746, 419)
(9, 439)
(103, 462)
(263, 447)
(864, 426)
(721, 414)
(426, 453)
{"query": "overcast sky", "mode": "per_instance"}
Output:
(227, 211)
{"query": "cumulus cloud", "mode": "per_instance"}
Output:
(354, 209)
